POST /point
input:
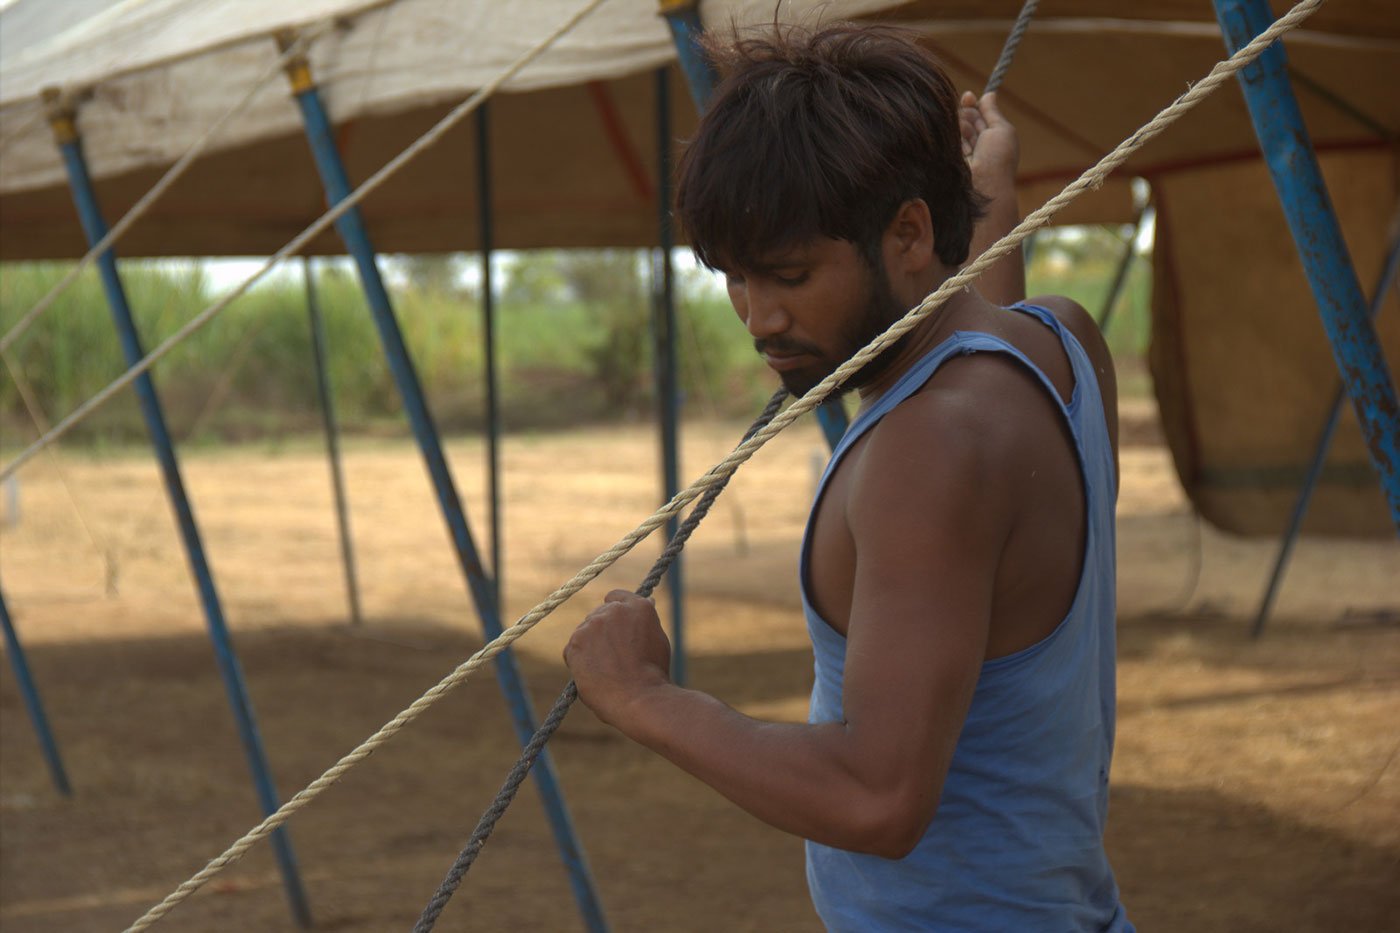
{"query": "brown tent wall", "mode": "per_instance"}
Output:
(1243, 371)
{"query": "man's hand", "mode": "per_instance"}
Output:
(618, 651)
(993, 154)
(990, 145)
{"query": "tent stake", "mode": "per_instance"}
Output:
(95, 227)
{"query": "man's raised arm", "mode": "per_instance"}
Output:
(993, 153)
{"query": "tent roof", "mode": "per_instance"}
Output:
(574, 137)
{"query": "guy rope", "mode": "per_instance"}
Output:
(504, 797)
(716, 476)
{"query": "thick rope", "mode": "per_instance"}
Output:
(560, 709)
(1013, 41)
(159, 188)
(1091, 178)
(433, 135)
(561, 706)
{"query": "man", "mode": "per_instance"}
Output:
(957, 571)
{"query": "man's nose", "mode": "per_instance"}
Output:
(766, 315)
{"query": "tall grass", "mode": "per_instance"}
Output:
(566, 355)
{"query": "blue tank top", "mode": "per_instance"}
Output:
(1017, 840)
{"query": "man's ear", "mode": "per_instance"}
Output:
(909, 243)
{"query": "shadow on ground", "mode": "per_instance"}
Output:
(162, 787)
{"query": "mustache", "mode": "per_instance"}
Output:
(783, 346)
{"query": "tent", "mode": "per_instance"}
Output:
(1241, 367)
(1242, 370)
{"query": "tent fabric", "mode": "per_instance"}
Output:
(1242, 367)
(160, 71)
(580, 121)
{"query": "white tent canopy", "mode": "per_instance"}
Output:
(150, 76)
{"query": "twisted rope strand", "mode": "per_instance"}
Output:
(1092, 177)
(159, 188)
(1013, 42)
(455, 116)
(560, 709)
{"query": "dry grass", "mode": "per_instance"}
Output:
(1254, 783)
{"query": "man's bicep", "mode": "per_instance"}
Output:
(928, 530)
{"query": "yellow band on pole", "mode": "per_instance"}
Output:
(298, 67)
(62, 116)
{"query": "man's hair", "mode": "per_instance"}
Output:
(824, 132)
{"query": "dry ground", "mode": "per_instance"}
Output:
(1255, 783)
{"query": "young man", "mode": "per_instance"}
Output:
(957, 572)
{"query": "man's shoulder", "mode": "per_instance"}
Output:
(1079, 322)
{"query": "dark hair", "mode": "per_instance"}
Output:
(825, 131)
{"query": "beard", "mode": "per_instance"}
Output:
(879, 310)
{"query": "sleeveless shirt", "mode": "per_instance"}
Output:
(1017, 839)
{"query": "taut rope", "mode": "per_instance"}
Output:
(1013, 42)
(561, 706)
(506, 795)
(1091, 178)
(438, 130)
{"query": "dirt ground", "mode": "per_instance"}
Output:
(1255, 784)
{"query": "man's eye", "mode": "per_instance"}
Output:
(792, 281)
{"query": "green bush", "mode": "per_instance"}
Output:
(573, 336)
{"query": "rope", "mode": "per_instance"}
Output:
(455, 116)
(36, 415)
(150, 197)
(1091, 178)
(561, 706)
(1013, 41)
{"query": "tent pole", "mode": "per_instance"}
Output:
(488, 339)
(1278, 124)
(667, 384)
(95, 227)
(32, 704)
(323, 394)
(1324, 443)
(1120, 274)
(352, 230)
(683, 18)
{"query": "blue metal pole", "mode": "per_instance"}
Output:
(323, 393)
(32, 704)
(352, 230)
(683, 18)
(1324, 443)
(488, 339)
(1120, 274)
(95, 227)
(1288, 151)
(667, 385)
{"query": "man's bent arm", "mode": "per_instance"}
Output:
(928, 535)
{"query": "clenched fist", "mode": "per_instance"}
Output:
(617, 652)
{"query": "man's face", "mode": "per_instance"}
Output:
(810, 307)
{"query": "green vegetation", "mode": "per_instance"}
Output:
(574, 342)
